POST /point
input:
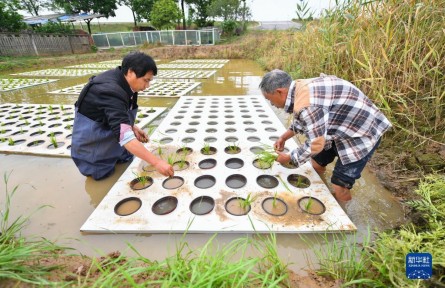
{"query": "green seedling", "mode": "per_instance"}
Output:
(50, 109)
(61, 107)
(274, 201)
(284, 183)
(171, 159)
(53, 140)
(27, 122)
(308, 204)
(206, 148)
(233, 148)
(248, 201)
(11, 142)
(41, 123)
(140, 178)
(151, 110)
(3, 140)
(266, 157)
(151, 128)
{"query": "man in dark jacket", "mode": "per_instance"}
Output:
(104, 132)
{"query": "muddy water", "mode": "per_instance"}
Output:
(71, 197)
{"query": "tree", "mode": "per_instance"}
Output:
(199, 8)
(183, 15)
(104, 7)
(33, 6)
(10, 20)
(228, 9)
(131, 4)
(165, 14)
(142, 9)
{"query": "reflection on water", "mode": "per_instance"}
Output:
(73, 197)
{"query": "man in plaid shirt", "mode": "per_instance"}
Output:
(337, 119)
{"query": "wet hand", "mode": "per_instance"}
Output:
(279, 144)
(283, 158)
(164, 168)
(140, 134)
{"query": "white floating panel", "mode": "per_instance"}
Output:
(191, 66)
(118, 62)
(156, 89)
(62, 72)
(185, 74)
(220, 61)
(94, 66)
(34, 129)
(165, 205)
(15, 83)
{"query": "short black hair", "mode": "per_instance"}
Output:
(140, 63)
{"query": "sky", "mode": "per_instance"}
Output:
(262, 10)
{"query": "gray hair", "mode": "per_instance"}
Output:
(275, 79)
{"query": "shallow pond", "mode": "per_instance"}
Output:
(71, 197)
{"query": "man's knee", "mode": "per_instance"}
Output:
(318, 168)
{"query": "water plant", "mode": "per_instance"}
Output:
(171, 158)
(245, 203)
(11, 141)
(140, 178)
(308, 204)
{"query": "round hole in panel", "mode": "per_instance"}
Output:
(184, 151)
(230, 130)
(213, 116)
(230, 123)
(229, 116)
(267, 122)
(273, 138)
(256, 149)
(271, 129)
(311, 205)
(232, 149)
(234, 163)
(212, 123)
(231, 139)
(191, 130)
(55, 145)
(173, 182)
(211, 130)
(208, 150)
(181, 165)
(166, 140)
(207, 163)
(210, 139)
(267, 181)
(205, 181)
(274, 206)
(250, 130)
(253, 139)
(165, 205)
(37, 133)
(196, 116)
(175, 123)
(246, 116)
(248, 122)
(171, 131)
(20, 132)
(141, 182)
(35, 143)
(237, 206)
(179, 117)
(298, 181)
(261, 164)
(236, 181)
(194, 123)
(127, 206)
(202, 205)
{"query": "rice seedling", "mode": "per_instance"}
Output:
(206, 148)
(140, 178)
(53, 140)
(11, 141)
(308, 204)
(284, 183)
(245, 203)
(171, 159)
(151, 129)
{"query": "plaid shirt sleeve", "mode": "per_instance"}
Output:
(315, 120)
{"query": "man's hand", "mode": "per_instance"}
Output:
(140, 134)
(164, 168)
(283, 158)
(279, 144)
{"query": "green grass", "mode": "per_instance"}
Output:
(381, 263)
(19, 257)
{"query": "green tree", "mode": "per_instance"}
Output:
(10, 20)
(165, 14)
(32, 6)
(228, 9)
(131, 4)
(142, 9)
(104, 7)
(199, 9)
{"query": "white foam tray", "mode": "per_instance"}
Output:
(191, 66)
(199, 118)
(156, 89)
(24, 124)
(220, 61)
(62, 72)
(185, 74)
(19, 83)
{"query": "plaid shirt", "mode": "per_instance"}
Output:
(339, 112)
